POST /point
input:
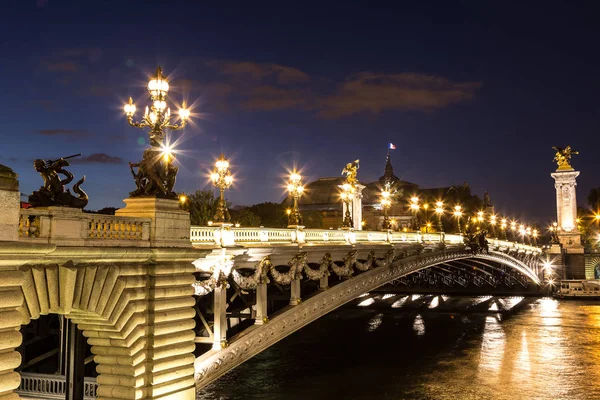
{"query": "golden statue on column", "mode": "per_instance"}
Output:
(563, 157)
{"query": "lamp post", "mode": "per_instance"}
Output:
(513, 228)
(222, 179)
(439, 211)
(534, 234)
(414, 206)
(458, 214)
(427, 223)
(347, 195)
(386, 202)
(503, 226)
(157, 118)
(493, 223)
(295, 189)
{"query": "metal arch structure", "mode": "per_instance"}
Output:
(255, 339)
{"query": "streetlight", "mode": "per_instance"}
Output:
(493, 222)
(222, 179)
(386, 202)
(347, 195)
(157, 118)
(427, 224)
(458, 214)
(414, 206)
(296, 189)
(439, 210)
(503, 226)
(534, 234)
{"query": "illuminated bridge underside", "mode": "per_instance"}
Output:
(255, 339)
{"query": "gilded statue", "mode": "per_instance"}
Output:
(155, 175)
(350, 171)
(563, 157)
(53, 192)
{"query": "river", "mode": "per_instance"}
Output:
(549, 349)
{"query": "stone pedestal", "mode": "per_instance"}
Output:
(170, 225)
(566, 210)
(9, 204)
(356, 208)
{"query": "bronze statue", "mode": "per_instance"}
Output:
(53, 192)
(563, 157)
(351, 171)
(155, 175)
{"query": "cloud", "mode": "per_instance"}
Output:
(64, 132)
(376, 93)
(62, 66)
(271, 87)
(260, 72)
(99, 158)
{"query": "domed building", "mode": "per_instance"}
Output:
(323, 195)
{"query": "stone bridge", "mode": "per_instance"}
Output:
(166, 312)
(312, 272)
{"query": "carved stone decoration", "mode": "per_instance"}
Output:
(348, 268)
(212, 365)
(219, 277)
(369, 263)
(388, 258)
(322, 271)
(259, 275)
(297, 264)
(53, 192)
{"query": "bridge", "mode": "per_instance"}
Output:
(166, 313)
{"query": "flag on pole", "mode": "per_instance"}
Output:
(392, 146)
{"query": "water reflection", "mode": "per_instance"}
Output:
(419, 325)
(548, 350)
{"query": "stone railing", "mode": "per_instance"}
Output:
(45, 386)
(72, 227)
(229, 236)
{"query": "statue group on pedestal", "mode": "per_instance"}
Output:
(53, 192)
(155, 175)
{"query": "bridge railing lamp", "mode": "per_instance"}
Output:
(222, 179)
(386, 202)
(296, 189)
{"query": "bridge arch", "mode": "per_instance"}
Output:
(257, 338)
(138, 319)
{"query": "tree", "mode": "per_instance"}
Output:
(594, 199)
(245, 217)
(313, 219)
(272, 215)
(201, 205)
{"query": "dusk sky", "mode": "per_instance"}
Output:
(468, 92)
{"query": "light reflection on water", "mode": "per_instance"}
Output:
(548, 350)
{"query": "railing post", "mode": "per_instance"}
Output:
(261, 304)
(220, 318)
(295, 292)
(324, 282)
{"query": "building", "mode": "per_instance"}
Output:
(323, 195)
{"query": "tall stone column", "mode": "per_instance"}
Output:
(566, 210)
(357, 207)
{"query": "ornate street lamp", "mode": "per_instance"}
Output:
(414, 207)
(386, 202)
(296, 189)
(493, 222)
(347, 195)
(503, 226)
(222, 179)
(427, 223)
(439, 211)
(458, 214)
(156, 173)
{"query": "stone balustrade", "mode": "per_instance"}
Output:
(72, 227)
(45, 386)
(210, 236)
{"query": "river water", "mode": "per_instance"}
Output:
(548, 349)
